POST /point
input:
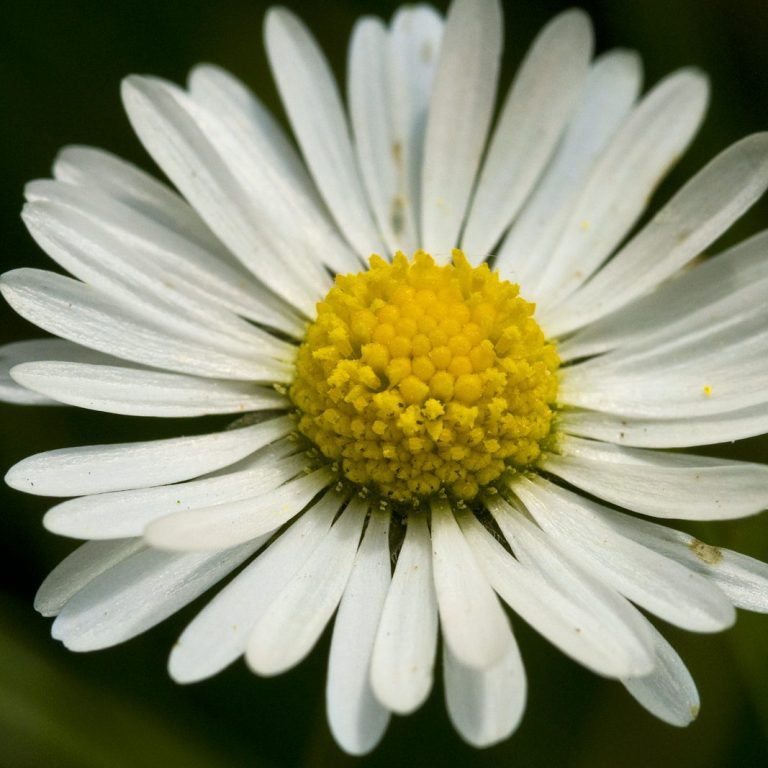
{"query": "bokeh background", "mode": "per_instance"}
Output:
(60, 65)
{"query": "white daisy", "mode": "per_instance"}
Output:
(418, 447)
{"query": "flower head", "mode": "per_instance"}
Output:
(452, 359)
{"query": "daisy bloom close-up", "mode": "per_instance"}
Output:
(462, 369)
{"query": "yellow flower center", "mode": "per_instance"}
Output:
(417, 377)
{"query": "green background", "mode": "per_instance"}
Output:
(60, 65)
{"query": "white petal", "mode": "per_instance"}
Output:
(485, 705)
(356, 718)
(713, 377)
(311, 99)
(79, 568)
(142, 263)
(406, 642)
(617, 191)
(141, 392)
(471, 617)
(228, 524)
(140, 592)
(218, 634)
(608, 95)
(82, 314)
(11, 355)
(127, 513)
(592, 634)
(742, 578)
(669, 432)
(279, 164)
(275, 209)
(673, 485)
(168, 124)
(695, 298)
(459, 116)
(379, 149)
(291, 625)
(414, 45)
(668, 692)
(119, 180)
(694, 218)
(100, 468)
(654, 582)
(534, 115)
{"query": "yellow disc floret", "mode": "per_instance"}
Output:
(417, 377)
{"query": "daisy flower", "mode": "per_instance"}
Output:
(457, 368)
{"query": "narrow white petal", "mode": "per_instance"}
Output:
(379, 149)
(140, 592)
(311, 99)
(272, 211)
(218, 634)
(356, 718)
(79, 568)
(406, 641)
(127, 513)
(485, 705)
(135, 392)
(667, 432)
(86, 316)
(134, 273)
(694, 218)
(231, 523)
(291, 625)
(694, 298)
(471, 617)
(18, 352)
(725, 372)
(681, 486)
(607, 611)
(278, 162)
(11, 392)
(372, 125)
(119, 180)
(459, 116)
(123, 466)
(168, 124)
(658, 584)
(204, 270)
(668, 692)
(610, 92)
(654, 135)
(592, 634)
(534, 115)
(743, 579)
(414, 46)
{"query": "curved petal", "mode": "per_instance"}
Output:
(140, 592)
(485, 705)
(662, 586)
(127, 513)
(402, 665)
(609, 93)
(232, 523)
(311, 99)
(218, 634)
(532, 120)
(356, 718)
(472, 620)
(289, 628)
(459, 116)
(123, 466)
(135, 392)
(674, 485)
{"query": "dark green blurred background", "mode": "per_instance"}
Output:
(60, 66)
